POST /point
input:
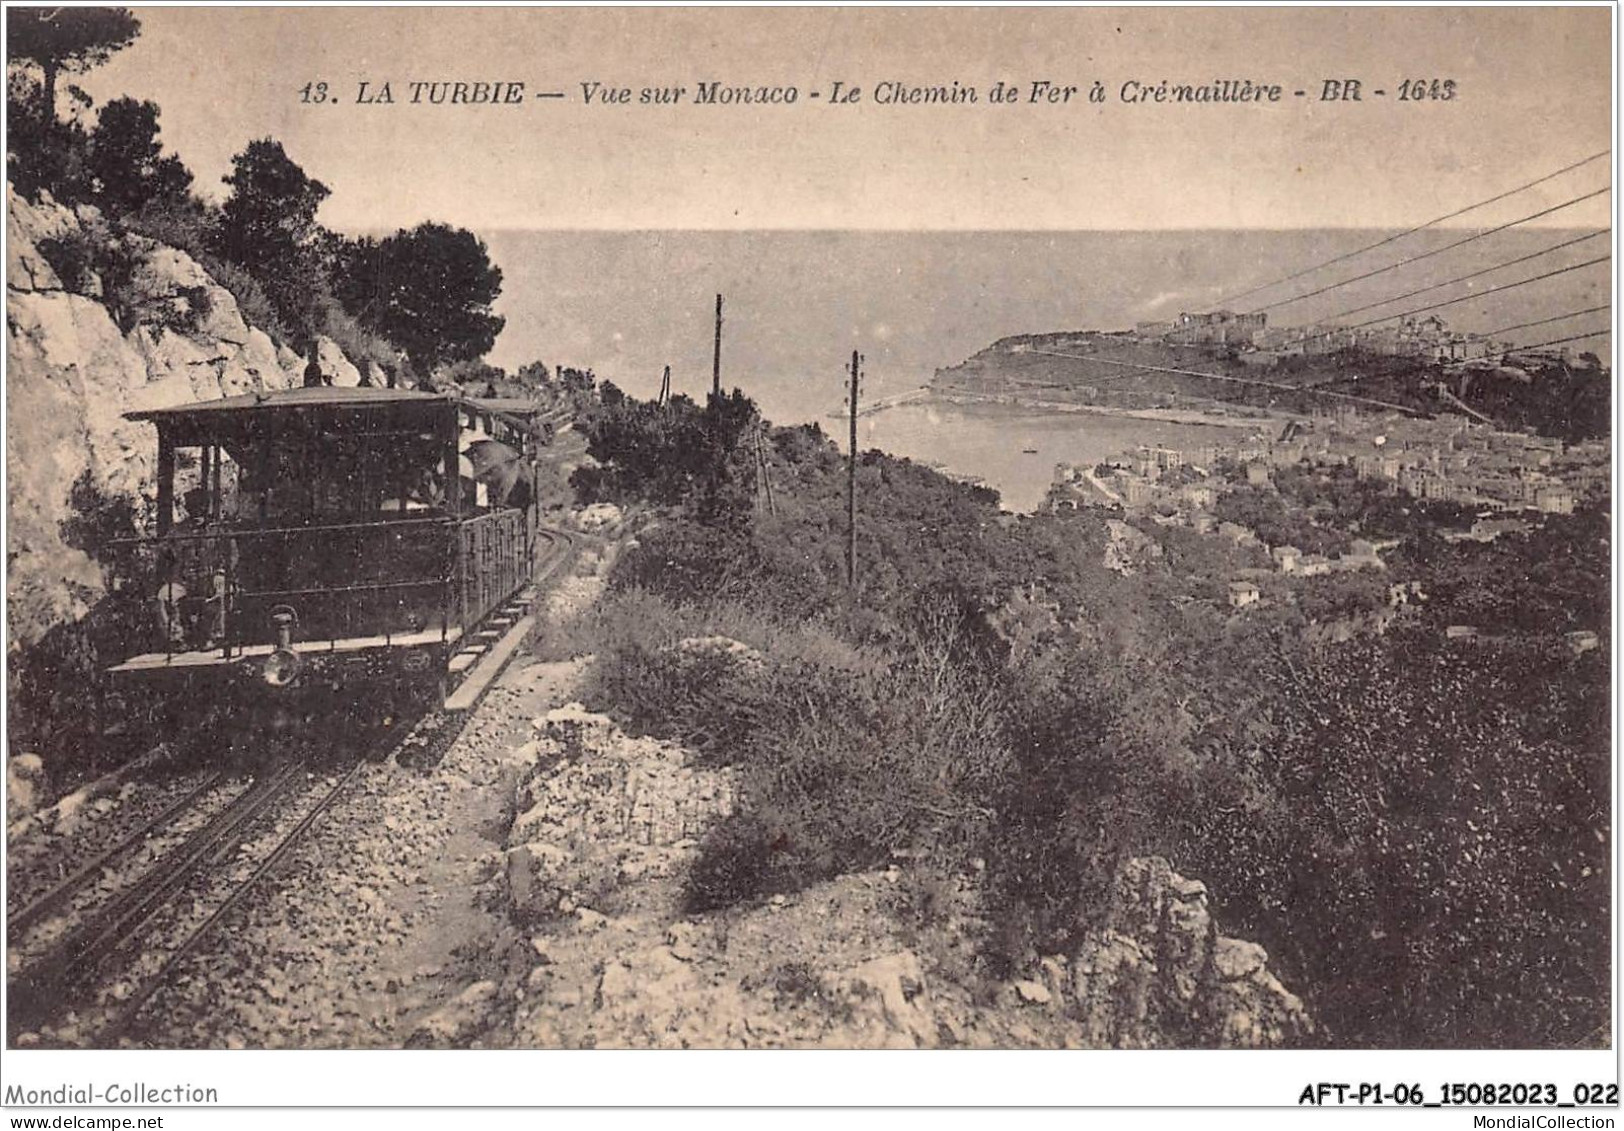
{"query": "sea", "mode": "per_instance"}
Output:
(796, 304)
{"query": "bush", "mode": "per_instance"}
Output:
(359, 344)
(733, 866)
(845, 753)
(253, 303)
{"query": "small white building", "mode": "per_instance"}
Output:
(1242, 594)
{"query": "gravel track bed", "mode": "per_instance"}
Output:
(38, 862)
(136, 961)
(118, 874)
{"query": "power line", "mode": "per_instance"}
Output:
(1543, 321)
(1478, 294)
(1306, 335)
(1410, 231)
(1435, 251)
(1463, 278)
(1560, 341)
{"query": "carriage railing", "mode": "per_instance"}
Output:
(420, 578)
(497, 557)
(384, 579)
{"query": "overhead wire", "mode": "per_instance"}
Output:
(1411, 231)
(1543, 321)
(1435, 251)
(1479, 294)
(1464, 278)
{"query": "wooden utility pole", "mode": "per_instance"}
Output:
(851, 478)
(716, 358)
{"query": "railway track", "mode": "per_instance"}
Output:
(107, 968)
(95, 969)
(31, 913)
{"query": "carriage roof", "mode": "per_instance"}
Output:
(231, 412)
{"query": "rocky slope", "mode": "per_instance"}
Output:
(606, 826)
(98, 323)
(73, 369)
(526, 891)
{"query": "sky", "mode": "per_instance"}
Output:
(1532, 94)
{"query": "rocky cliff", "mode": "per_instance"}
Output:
(606, 827)
(134, 325)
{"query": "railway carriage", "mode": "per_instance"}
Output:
(325, 547)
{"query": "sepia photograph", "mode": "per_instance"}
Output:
(840, 528)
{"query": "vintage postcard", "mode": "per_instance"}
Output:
(840, 528)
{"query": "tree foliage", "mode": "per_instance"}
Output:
(66, 39)
(268, 226)
(127, 165)
(429, 290)
(676, 454)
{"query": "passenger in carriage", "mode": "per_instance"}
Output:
(190, 602)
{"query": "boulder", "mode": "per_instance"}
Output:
(1158, 974)
(574, 730)
(536, 879)
(337, 368)
(731, 655)
(887, 998)
(598, 516)
(25, 785)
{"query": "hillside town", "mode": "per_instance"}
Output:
(1429, 339)
(1490, 482)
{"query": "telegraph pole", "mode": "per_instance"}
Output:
(851, 478)
(716, 357)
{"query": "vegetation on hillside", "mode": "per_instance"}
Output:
(408, 304)
(1416, 828)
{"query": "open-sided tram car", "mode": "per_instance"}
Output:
(322, 547)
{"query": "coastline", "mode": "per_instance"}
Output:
(928, 396)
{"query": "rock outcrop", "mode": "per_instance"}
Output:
(612, 810)
(606, 828)
(74, 369)
(1159, 975)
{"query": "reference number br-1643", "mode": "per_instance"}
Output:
(1478, 1094)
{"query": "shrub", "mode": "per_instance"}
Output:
(253, 303)
(359, 344)
(733, 865)
(75, 258)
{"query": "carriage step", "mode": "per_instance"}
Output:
(489, 666)
(464, 660)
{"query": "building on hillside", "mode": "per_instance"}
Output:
(1555, 499)
(1237, 534)
(1197, 494)
(1218, 327)
(1242, 594)
(1138, 491)
(1288, 558)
